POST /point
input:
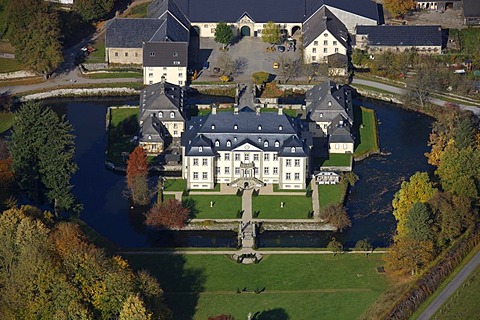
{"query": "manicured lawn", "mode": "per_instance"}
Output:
(225, 207)
(6, 121)
(296, 286)
(365, 128)
(168, 197)
(111, 75)
(295, 207)
(97, 56)
(337, 160)
(9, 65)
(175, 184)
(463, 304)
(330, 194)
(123, 126)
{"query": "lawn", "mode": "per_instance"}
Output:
(123, 126)
(97, 56)
(330, 194)
(295, 207)
(365, 127)
(175, 184)
(337, 160)
(463, 304)
(296, 286)
(9, 65)
(168, 197)
(6, 121)
(139, 11)
(224, 207)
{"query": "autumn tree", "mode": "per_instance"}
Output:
(7, 182)
(42, 149)
(222, 317)
(419, 222)
(418, 189)
(420, 86)
(223, 34)
(363, 245)
(407, 256)
(398, 8)
(134, 309)
(171, 214)
(337, 216)
(335, 246)
(271, 33)
(137, 176)
(92, 10)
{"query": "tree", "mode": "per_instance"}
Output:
(31, 19)
(407, 256)
(226, 64)
(289, 68)
(420, 86)
(418, 189)
(222, 317)
(271, 33)
(465, 133)
(419, 223)
(398, 8)
(363, 245)
(91, 10)
(335, 246)
(7, 181)
(337, 216)
(260, 77)
(42, 150)
(134, 309)
(137, 176)
(223, 34)
(360, 58)
(171, 214)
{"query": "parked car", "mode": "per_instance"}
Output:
(206, 65)
(276, 65)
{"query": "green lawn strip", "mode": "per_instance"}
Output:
(224, 207)
(295, 206)
(10, 65)
(139, 11)
(330, 194)
(175, 184)
(380, 80)
(301, 286)
(118, 140)
(289, 112)
(110, 75)
(6, 121)
(131, 85)
(337, 160)
(366, 128)
(432, 297)
(453, 100)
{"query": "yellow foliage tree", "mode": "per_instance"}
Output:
(418, 189)
(399, 8)
(407, 256)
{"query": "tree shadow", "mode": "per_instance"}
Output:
(357, 124)
(272, 314)
(181, 284)
(191, 205)
(241, 65)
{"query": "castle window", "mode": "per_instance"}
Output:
(217, 143)
(280, 128)
(213, 127)
(277, 144)
(235, 127)
(259, 139)
(200, 149)
(172, 114)
(160, 114)
(292, 150)
(265, 143)
(229, 143)
(259, 127)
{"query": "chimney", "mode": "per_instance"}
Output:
(280, 110)
(235, 109)
(214, 108)
(257, 110)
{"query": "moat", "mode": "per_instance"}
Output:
(403, 139)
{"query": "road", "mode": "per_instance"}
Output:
(450, 288)
(400, 91)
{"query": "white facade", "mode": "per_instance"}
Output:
(175, 75)
(323, 46)
(341, 147)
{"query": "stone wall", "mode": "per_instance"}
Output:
(380, 96)
(81, 93)
(94, 66)
(17, 75)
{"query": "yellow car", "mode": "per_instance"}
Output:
(276, 65)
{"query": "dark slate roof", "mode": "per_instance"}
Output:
(152, 130)
(326, 101)
(165, 53)
(340, 131)
(130, 33)
(162, 97)
(471, 8)
(320, 21)
(172, 30)
(252, 128)
(410, 36)
(267, 10)
(158, 8)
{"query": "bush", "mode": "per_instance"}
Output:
(239, 214)
(185, 193)
(260, 77)
(255, 193)
(239, 193)
(310, 214)
(256, 213)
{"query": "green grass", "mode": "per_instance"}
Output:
(366, 128)
(330, 194)
(225, 206)
(123, 126)
(168, 197)
(139, 11)
(6, 121)
(111, 75)
(97, 56)
(295, 207)
(337, 160)
(175, 184)
(469, 39)
(9, 65)
(296, 286)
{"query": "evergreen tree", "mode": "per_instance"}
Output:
(92, 10)
(419, 223)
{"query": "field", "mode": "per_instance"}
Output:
(366, 130)
(224, 207)
(295, 207)
(295, 286)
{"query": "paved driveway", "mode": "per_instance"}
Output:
(249, 50)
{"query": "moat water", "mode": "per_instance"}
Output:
(403, 136)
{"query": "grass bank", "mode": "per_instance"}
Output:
(122, 127)
(365, 127)
(6, 121)
(331, 194)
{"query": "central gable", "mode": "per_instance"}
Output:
(245, 18)
(247, 146)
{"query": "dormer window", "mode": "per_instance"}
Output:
(200, 149)
(160, 114)
(292, 150)
(321, 115)
(277, 144)
(259, 127)
(265, 143)
(235, 127)
(280, 128)
(172, 114)
(149, 137)
(259, 139)
(217, 143)
(234, 139)
(213, 127)
(229, 143)
(329, 103)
